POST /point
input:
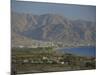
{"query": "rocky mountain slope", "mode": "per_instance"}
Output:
(51, 27)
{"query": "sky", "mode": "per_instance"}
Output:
(70, 11)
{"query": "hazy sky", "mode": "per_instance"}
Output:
(70, 11)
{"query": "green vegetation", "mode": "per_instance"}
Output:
(45, 59)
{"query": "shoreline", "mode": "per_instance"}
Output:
(73, 47)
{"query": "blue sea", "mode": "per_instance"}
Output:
(81, 51)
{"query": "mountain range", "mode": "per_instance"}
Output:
(26, 27)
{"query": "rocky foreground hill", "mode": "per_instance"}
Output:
(50, 27)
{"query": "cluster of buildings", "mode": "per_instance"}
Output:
(44, 59)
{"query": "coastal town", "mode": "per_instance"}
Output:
(54, 44)
(26, 60)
